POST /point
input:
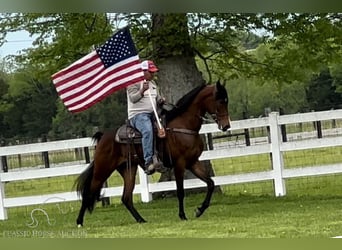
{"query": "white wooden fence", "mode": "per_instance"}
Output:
(274, 145)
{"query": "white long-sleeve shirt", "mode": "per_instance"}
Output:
(137, 103)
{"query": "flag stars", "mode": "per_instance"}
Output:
(117, 48)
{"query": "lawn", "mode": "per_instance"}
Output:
(311, 208)
(229, 216)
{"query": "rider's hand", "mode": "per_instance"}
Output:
(145, 87)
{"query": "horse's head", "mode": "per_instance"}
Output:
(218, 109)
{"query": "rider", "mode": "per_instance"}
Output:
(140, 111)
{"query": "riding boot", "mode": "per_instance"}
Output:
(149, 168)
(158, 164)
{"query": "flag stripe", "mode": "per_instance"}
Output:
(110, 87)
(81, 81)
(102, 82)
(64, 73)
(78, 76)
(84, 83)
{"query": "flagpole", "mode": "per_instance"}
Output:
(161, 130)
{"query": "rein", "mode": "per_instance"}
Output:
(213, 117)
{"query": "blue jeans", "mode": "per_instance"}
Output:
(143, 123)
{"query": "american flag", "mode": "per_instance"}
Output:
(112, 66)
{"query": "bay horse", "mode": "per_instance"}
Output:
(183, 146)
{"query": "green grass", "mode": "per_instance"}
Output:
(312, 157)
(241, 216)
(292, 159)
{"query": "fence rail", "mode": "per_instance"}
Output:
(275, 145)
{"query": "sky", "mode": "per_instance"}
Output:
(16, 41)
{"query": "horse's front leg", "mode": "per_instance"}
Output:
(179, 176)
(200, 171)
(128, 174)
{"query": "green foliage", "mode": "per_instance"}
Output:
(62, 37)
(108, 114)
(295, 43)
(28, 107)
(336, 73)
(265, 56)
(321, 92)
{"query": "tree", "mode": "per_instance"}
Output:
(3, 92)
(176, 60)
(336, 73)
(108, 114)
(28, 106)
(62, 39)
(321, 92)
(274, 48)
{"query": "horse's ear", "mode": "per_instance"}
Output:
(218, 83)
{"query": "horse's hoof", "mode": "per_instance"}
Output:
(141, 221)
(198, 212)
(79, 223)
(183, 217)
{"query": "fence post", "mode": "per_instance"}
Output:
(3, 162)
(246, 131)
(146, 195)
(277, 157)
(319, 129)
(105, 200)
(210, 141)
(45, 154)
(3, 168)
(3, 211)
(283, 126)
(86, 149)
(86, 154)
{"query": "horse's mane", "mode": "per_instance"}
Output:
(183, 103)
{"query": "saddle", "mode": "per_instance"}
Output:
(128, 134)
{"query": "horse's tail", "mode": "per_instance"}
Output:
(97, 136)
(83, 183)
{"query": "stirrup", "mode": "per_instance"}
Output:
(158, 164)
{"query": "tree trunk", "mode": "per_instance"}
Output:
(178, 72)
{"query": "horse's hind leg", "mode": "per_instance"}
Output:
(89, 199)
(79, 220)
(128, 174)
(179, 176)
(199, 171)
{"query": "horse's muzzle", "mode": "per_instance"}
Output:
(223, 124)
(225, 128)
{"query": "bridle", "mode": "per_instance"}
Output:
(217, 116)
